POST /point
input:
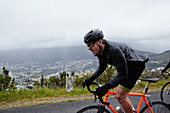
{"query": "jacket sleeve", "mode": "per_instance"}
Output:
(100, 69)
(121, 66)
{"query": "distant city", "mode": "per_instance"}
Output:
(33, 71)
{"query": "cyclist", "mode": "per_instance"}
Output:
(128, 63)
(166, 67)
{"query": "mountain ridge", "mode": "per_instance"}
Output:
(49, 55)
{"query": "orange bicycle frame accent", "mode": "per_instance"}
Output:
(143, 98)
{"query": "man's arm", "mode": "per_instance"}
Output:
(121, 66)
(100, 69)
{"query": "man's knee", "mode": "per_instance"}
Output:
(121, 95)
(120, 98)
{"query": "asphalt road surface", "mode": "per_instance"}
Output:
(71, 107)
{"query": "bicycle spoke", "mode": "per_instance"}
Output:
(157, 107)
(165, 93)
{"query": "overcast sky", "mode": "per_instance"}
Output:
(142, 24)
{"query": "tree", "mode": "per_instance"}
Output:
(36, 83)
(42, 80)
(72, 74)
(79, 79)
(5, 80)
(2, 81)
(53, 81)
(63, 78)
(107, 75)
(12, 84)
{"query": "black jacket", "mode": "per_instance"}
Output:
(120, 56)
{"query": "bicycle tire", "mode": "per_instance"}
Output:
(165, 93)
(92, 109)
(157, 107)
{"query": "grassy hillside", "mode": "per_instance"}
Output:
(159, 60)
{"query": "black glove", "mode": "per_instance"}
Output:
(163, 71)
(101, 91)
(87, 82)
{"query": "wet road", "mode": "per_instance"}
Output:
(70, 107)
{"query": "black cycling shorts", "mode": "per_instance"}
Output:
(134, 72)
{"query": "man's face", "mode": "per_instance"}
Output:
(94, 48)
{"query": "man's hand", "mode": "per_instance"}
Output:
(87, 82)
(101, 91)
(163, 71)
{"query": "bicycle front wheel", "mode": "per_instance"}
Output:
(157, 107)
(92, 109)
(165, 93)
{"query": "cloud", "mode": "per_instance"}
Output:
(44, 23)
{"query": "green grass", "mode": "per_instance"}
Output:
(13, 96)
(158, 85)
(10, 96)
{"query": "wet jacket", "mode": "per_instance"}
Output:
(121, 56)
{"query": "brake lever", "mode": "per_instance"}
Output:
(95, 98)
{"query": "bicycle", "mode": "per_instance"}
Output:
(165, 92)
(150, 107)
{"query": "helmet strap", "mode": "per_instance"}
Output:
(100, 47)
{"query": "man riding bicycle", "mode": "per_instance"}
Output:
(128, 63)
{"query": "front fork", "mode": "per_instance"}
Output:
(102, 108)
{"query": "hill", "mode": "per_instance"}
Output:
(49, 55)
(44, 55)
(159, 60)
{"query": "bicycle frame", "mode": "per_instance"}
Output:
(143, 98)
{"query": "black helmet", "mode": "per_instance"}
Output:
(93, 35)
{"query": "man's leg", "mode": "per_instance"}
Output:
(129, 82)
(122, 97)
